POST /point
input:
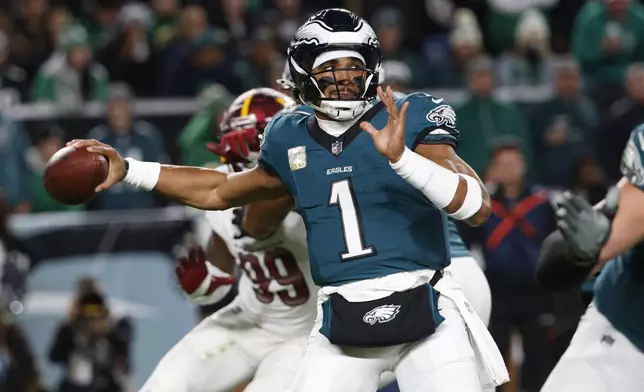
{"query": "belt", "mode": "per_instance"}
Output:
(438, 275)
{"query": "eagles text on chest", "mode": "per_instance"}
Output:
(337, 170)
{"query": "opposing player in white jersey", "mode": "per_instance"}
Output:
(262, 334)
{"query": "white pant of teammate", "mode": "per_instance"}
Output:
(468, 274)
(599, 359)
(445, 361)
(216, 357)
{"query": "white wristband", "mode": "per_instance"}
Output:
(438, 184)
(473, 199)
(142, 175)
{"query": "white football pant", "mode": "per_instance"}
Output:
(216, 358)
(444, 361)
(470, 277)
(599, 359)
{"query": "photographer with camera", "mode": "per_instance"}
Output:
(93, 347)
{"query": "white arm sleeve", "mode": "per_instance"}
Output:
(438, 184)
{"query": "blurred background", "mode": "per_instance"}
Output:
(546, 93)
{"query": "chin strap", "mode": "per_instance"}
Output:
(339, 114)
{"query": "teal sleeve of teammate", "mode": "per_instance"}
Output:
(430, 120)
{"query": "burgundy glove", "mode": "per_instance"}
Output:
(202, 282)
(234, 145)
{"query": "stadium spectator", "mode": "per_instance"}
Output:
(486, 118)
(101, 22)
(388, 25)
(466, 43)
(256, 69)
(71, 76)
(511, 239)
(29, 44)
(164, 22)
(621, 118)
(529, 63)
(502, 18)
(130, 57)
(58, 19)
(93, 348)
(133, 138)
(607, 36)
(286, 17)
(203, 127)
(563, 128)
(397, 75)
(177, 74)
(235, 17)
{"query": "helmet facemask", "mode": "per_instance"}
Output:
(342, 93)
(334, 34)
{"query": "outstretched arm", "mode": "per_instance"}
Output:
(202, 188)
(208, 189)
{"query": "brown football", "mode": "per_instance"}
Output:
(71, 175)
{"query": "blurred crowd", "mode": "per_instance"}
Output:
(584, 59)
(577, 65)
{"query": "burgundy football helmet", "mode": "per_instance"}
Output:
(243, 124)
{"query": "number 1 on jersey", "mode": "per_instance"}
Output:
(342, 196)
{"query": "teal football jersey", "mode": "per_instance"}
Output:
(363, 221)
(456, 245)
(619, 289)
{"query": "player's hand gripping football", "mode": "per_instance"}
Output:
(201, 281)
(390, 140)
(116, 161)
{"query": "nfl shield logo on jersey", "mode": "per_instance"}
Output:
(381, 314)
(336, 147)
(297, 158)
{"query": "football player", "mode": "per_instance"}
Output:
(607, 350)
(465, 269)
(374, 204)
(263, 332)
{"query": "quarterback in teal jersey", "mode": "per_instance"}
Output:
(464, 268)
(374, 179)
(607, 350)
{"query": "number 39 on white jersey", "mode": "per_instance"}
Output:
(275, 287)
